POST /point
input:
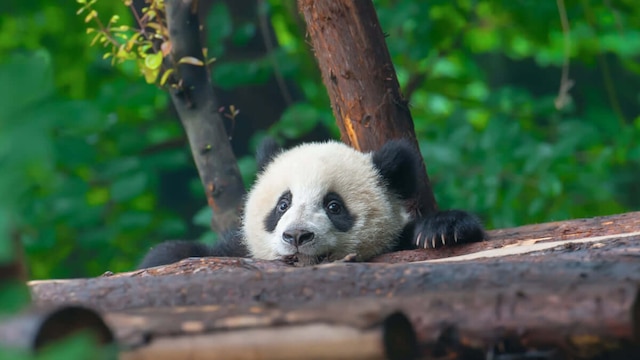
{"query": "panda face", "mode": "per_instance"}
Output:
(321, 201)
(310, 224)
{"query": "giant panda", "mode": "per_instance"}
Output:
(324, 201)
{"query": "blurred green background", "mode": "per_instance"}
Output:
(95, 167)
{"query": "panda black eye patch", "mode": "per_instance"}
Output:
(281, 207)
(337, 212)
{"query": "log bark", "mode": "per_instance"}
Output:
(525, 238)
(292, 286)
(358, 73)
(197, 108)
(580, 300)
(215, 280)
(574, 320)
(385, 337)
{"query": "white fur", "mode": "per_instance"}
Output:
(309, 172)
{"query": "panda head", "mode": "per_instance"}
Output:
(324, 201)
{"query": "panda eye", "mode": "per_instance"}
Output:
(334, 207)
(283, 205)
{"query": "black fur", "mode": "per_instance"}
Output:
(267, 150)
(449, 227)
(342, 218)
(398, 163)
(171, 251)
(271, 221)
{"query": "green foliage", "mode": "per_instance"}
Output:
(14, 296)
(147, 44)
(497, 147)
(91, 155)
(79, 346)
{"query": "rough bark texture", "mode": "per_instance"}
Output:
(198, 111)
(579, 300)
(564, 316)
(215, 280)
(339, 281)
(361, 80)
(627, 223)
(297, 335)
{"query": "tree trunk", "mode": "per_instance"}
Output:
(360, 78)
(197, 108)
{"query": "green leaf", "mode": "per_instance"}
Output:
(191, 61)
(153, 61)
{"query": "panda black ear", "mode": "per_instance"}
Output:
(398, 163)
(266, 151)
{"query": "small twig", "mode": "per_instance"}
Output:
(566, 84)
(268, 43)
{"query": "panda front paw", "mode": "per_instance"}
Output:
(448, 227)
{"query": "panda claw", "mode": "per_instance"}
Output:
(447, 228)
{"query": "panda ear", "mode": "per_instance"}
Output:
(398, 163)
(267, 150)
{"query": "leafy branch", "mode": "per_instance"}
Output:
(148, 45)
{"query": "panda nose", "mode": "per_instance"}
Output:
(297, 237)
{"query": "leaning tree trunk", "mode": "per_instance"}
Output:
(359, 76)
(197, 108)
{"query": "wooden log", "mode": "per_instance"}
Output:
(215, 280)
(360, 78)
(339, 280)
(601, 228)
(581, 298)
(587, 319)
(391, 338)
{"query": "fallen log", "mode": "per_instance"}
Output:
(389, 336)
(567, 320)
(214, 280)
(577, 297)
(325, 282)
(522, 237)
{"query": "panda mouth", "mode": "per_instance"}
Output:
(300, 259)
